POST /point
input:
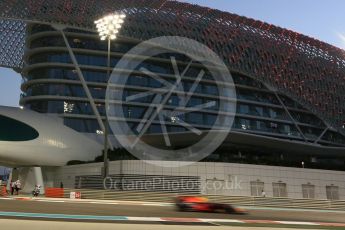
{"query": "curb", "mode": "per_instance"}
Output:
(85, 201)
(163, 219)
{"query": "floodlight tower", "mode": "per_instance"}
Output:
(108, 28)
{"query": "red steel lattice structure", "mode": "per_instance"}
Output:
(308, 70)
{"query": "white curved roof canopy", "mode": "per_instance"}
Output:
(55, 144)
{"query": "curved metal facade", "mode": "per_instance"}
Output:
(52, 86)
(307, 70)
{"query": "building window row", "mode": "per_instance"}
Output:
(66, 74)
(64, 90)
(82, 59)
(80, 43)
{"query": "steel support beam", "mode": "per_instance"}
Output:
(322, 134)
(289, 114)
(84, 84)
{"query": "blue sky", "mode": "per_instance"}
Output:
(321, 19)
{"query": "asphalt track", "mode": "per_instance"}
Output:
(139, 210)
(57, 225)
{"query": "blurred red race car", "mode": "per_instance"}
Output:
(201, 204)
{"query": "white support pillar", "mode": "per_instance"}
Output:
(39, 178)
(8, 186)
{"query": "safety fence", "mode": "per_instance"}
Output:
(169, 197)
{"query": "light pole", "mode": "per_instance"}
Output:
(108, 27)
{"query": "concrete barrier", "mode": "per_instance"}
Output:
(3, 191)
(54, 192)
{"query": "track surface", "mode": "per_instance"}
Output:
(132, 209)
(57, 225)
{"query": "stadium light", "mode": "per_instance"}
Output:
(108, 27)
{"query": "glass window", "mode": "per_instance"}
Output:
(195, 118)
(188, 85)
(133, 112)
(244, 124)
(156, 67)
(243, 109)
(155, 129)
(334, 137)
(126, 96)
(176, 129)
(259, 110)
(40, 28)
(173, 100)
(273, 113)
(210, 89)
(256, 96)
(194, 101)
(154, 83)
(192, 72)
(210, 119)
(216, 105)
(138, 80)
